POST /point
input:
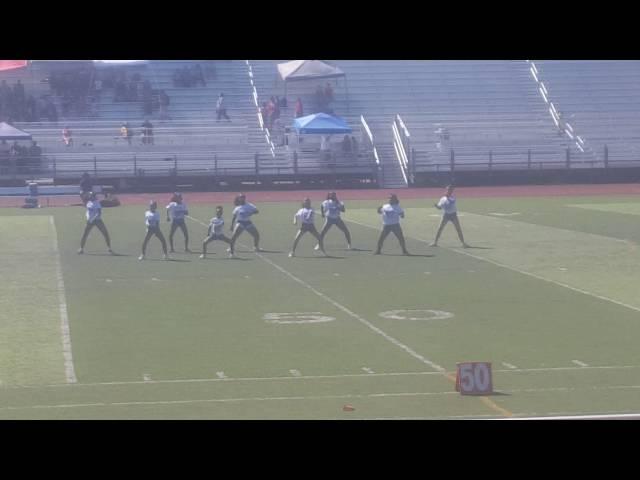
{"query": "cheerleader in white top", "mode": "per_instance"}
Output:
(391, 213)
(215, 231)
(241, 221)
(306, 215)
(449, 214)
(94, 219)
(331, 209)
(176, 211)
(152, 221)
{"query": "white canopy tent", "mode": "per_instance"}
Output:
(299, 70)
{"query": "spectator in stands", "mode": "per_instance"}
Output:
(562, 125)
(147, 132)
(126, 132)
(276, 109)
(328, 93)
(299, 108)
(346, 145)
(324, 143)
(221, 109)
(66, 136)
(270, 109)
(34, 150)
(164, 105)
(18, 92)
(86, 186)
(30, 109)
(354, 146)
(198, 75)
(52, 111)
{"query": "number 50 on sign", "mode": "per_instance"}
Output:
(474, 378)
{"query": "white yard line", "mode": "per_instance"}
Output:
(514, 269)
(362, 320)
(304, 377)
(344, 396)
(69, 369)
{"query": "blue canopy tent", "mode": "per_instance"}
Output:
(322, 124)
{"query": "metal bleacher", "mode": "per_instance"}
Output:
(600, 100)
(190, 141)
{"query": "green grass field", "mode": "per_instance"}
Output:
(550, 295)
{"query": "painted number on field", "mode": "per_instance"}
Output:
(474, 378)
(297, 317)
(416, 315)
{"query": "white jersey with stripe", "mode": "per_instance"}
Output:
(243, 212)
(177, 211)
(332, 209)
(448, 204)
(306, 215)
(215, 226)
(391, 214)
(152, 219)
(94, 211)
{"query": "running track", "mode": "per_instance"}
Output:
(360, 194)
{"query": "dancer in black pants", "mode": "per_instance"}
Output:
(94, 219)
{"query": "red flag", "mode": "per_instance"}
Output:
(11, 64)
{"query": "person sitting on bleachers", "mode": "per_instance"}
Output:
(66, 136)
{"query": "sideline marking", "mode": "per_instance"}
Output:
(69, 369)
(307, 377)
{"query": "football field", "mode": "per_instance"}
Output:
(549, 293)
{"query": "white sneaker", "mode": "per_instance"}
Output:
(141, 257)
(232, 255)
(317, 247)
(349, 246)
(229, 249)
(434, 244)
(291, 254)
(203, 256)
(257, 249)
(80, 251)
